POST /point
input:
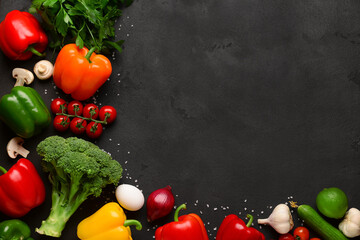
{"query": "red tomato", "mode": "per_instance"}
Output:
(91, 111)
(61, 123)
(286, 236)
(109, 112)
(94, 130)
(315, 239)
(75, 108)
(302, 233)
(57, 105)
(78, 125)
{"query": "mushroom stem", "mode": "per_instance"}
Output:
(19, 82)
(20, 150)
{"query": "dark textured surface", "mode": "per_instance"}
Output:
(238, 105)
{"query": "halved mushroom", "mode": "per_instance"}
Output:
(22, 76)
(15, 148)
(44, 69)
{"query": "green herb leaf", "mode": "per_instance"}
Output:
(79, 42)
(117, 45)
(89, 23)
(60, 24)
(49, 3)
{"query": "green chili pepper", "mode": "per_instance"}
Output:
(14, 229)
(24, 111)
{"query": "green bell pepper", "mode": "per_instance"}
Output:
(24, 111)
(14, 229)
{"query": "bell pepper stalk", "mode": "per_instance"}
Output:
(21, 36)
(21, 189)
(189, 227)
(109, 222)
(233, 227)
(14, 229)
(80, 72)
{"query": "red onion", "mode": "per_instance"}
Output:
(159, 203)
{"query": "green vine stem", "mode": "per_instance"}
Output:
(76, 109)
(84, 118)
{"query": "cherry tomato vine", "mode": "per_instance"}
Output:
(81, 118)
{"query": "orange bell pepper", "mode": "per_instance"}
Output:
(80, 72)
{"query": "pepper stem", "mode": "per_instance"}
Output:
(3, 170)
(251, 219)
(88, 55)
(34, 51)
(132, 222)
(176, 215)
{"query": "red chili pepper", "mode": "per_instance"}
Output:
(233, 228)
(21, 189)
(189, 227)
(21, 36)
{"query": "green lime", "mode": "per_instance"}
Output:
(332, 202)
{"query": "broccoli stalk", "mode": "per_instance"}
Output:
(77, 169)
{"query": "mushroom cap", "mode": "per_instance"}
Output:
(44, 69)
(23, 74)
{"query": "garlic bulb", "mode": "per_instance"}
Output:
(280, 219)
(350, 225)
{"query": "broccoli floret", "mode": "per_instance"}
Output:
(77, 169)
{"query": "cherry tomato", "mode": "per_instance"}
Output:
(75, 108)
(286, 236)
(109, 112)
(94, 130)
(315, 239)
(91, 111)
(61, 123)
(57, 105)
(302, 233)
(78, 125)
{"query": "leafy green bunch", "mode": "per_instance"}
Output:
(88, 23)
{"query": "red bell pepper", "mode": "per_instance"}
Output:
(189, 227)
(233, 228)
(21, 36)
(21, 189)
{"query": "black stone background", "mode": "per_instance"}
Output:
(239, 105)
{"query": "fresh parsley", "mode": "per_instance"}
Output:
(86, 22)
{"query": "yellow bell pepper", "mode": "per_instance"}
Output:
(109, 222)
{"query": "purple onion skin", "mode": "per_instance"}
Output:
(160, 203)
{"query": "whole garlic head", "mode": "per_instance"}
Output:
(350, 226)
(280, 219)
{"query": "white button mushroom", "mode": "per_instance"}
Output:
(130, 197)
(22, 76)
(15, 148)
(44, 69)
